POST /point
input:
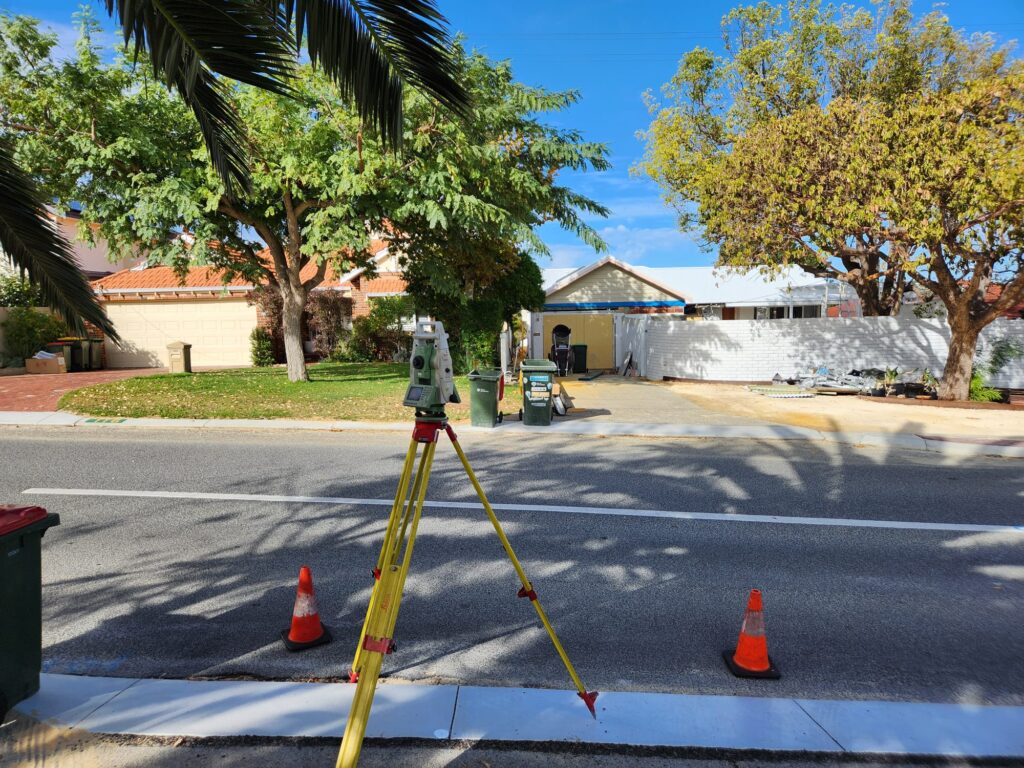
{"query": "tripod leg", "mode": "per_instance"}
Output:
(377, 640)
(385, 557)
(527, 591)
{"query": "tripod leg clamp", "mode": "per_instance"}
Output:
(383, 645)
(524, 592)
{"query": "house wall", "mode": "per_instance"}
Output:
(217, 329)
(755, 350)
(362, 290)
(608, 284)
(91, 258)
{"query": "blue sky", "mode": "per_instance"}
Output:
(611, 51)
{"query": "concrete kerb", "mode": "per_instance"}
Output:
(925, 443)
(236, 708)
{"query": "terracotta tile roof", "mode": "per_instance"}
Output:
(994, 291)
(387, 283)
(164, 278)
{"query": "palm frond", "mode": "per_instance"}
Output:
(188, 40)
(31, 243)
(371, 48)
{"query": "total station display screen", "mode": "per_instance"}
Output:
(414, 393)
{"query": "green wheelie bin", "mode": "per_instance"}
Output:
(21, 620)
(486, 388)
(538, 388)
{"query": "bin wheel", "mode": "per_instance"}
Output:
(501, 417)
(520, 414)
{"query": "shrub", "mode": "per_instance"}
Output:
(328, 315)
(15, 292)
(477, 349)
(981, 392)
(28, 331)
(345, 352)
(379, 335)
(1003, 352)
(261, 347)
(268, 305)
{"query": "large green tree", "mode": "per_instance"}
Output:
(371, 49)
(784, 62)
(321, 182)
(886, 154)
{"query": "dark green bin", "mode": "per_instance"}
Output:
(21, 617)
(579, 358)
(484, 394)
(538, 388)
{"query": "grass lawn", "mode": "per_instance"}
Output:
(349, 391)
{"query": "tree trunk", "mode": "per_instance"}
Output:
(956, 377)
(867, 292)
(871, 302)
(291, 321)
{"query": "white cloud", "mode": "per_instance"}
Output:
(633, 208)
(637, 245)
(570, 255)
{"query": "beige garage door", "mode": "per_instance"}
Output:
(596, 331)
(218, 331)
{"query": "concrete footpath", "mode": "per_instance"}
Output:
(449, 713)
(939, 444)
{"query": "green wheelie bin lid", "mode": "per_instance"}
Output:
(21, 625)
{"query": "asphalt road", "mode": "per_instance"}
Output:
(173, 587)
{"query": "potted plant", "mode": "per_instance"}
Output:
(890, 382)
(930, 385)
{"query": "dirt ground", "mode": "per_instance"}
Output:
(846, 413)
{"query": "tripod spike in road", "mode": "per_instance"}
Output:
(430, 387)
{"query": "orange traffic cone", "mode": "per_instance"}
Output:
(750, 658)
(306, 630)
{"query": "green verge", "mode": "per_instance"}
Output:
(336, 391)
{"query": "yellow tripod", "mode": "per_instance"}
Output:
(375, 640)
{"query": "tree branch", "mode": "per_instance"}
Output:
(317, 278)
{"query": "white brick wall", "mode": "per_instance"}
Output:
(755, 350)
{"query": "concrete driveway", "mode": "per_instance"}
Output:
(41, 392)
(613, 398)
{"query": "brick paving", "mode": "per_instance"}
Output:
(40, 392)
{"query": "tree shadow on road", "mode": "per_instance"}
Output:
(852, 612)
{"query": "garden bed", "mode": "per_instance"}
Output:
(964, 404)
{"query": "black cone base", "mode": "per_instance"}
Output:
(324, 639)
(769, 674)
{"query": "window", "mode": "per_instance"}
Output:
(809, 310)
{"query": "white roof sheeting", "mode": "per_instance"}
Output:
(714, 285)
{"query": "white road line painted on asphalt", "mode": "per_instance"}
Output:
(840, 522)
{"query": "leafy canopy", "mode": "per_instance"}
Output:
(777, 151)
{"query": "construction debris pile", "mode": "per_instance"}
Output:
(877, 382)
